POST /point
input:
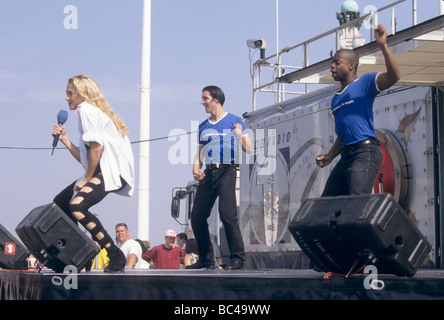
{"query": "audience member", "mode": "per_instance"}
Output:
(145, 245)
(101, 259)
(167, 255)
(130, 248)
(181, 240)
(191, 252)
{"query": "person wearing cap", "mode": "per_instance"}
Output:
(220, 137)
(166, 255)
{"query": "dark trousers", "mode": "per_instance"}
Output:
(95, 194)
(355, 172)
(220, 182)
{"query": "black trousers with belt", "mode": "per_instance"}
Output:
(218, 182)
(356, 171)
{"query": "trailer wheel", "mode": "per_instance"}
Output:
(394, 176)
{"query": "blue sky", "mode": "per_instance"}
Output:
(194, 43)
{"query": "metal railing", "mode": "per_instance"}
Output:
(278, 89)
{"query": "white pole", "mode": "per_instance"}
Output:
(277, 27)
(144, 135)
(441, 7)
(415, 12)
(278, 62)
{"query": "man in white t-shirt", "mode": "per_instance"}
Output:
(130, 248)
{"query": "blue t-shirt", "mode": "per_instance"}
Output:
(353, 110)
(220, 144)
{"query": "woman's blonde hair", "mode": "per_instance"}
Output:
(89, 90)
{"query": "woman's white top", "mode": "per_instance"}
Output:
(117, 158)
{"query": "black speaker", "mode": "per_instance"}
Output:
(12, 252)
(339, 233)
(55, 240)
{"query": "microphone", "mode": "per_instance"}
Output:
(62, 116)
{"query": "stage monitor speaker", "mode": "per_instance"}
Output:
(55, 240)
(12, 252)
(339, 233)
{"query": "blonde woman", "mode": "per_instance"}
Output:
(105, 153)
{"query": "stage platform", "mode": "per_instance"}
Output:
(245, 285)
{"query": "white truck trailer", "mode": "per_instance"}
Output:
(290, 133)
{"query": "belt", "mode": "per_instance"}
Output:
(213, 166)
(354, 146)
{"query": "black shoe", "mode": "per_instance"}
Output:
(88, 267)
(235, 265)
(201, 265)
(117, 261)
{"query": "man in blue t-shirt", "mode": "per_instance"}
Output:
(219, 139)
(352, 108)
